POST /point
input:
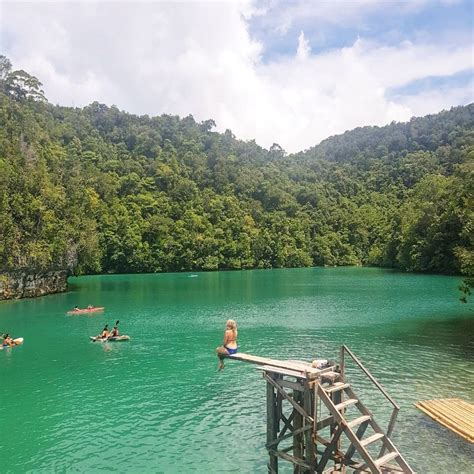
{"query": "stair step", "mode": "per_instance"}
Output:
(358, 421)
(347, 403)
(388, 457)
(372, 439)
(336, 387)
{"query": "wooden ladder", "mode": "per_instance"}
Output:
(332, 396)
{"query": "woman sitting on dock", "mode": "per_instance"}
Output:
(230, 343)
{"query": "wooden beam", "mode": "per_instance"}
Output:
(310, 447)
(271, 426)
(298, 424)
(281, 438)
(331, 448)
(288, 398)
(292, 459)
(287, 422)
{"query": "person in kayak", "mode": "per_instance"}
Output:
(230, 343)
(8, 341)
(115, 331)
(105, 332)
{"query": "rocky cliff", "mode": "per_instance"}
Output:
(16, 285)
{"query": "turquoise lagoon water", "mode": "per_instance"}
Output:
(157, 404)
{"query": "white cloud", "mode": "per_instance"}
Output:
(199, 58)
(304, 49)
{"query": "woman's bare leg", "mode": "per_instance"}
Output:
(221, 353)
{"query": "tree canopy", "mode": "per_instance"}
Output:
(96, 189)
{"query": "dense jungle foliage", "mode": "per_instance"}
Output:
(95, 189)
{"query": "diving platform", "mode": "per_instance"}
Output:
(453, 413)
(317, 422)
(298, 367)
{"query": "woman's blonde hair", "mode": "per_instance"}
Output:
(231, 324)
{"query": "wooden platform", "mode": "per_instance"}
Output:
(295, 368)
(453, 413)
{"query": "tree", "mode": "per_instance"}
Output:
(22, 86)
(5, 67)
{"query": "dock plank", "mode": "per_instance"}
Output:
(453, 413)
(298, 366)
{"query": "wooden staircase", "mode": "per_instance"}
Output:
(339, 397)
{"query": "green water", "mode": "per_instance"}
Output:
(157, 404)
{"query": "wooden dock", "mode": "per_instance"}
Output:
(298, 368)
(452, 413)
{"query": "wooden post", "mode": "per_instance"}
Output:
(297, 438)
(310, 447)
(342, 367)
(278, 407)
(272, 424)
(315, 417)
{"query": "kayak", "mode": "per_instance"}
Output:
(86, 310)
(17, 341)
(109, 339)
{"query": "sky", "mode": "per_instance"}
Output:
(286, 72)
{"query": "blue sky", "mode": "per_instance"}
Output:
(385, 21)
(290, 72)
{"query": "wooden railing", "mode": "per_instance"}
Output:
(345, 350)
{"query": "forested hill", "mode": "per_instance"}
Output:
(100, 190)
(420, 134)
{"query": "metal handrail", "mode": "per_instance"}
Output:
(396, 408)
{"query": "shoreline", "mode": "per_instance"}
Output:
(24, 284)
